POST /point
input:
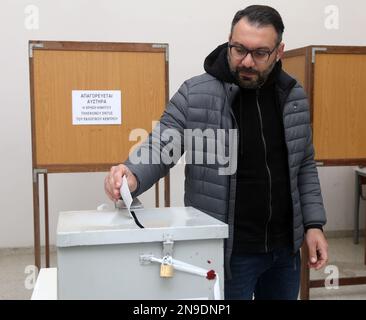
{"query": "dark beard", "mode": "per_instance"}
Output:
(249, 83)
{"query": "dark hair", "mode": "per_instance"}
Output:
(262, 16)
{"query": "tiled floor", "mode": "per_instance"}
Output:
(344, 255)
(13, 276)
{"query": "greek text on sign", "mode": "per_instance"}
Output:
(91, 107)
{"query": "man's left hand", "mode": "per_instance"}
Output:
(318, 248)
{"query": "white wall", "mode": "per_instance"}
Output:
(192, 29)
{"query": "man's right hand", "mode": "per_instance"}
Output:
(113, 181)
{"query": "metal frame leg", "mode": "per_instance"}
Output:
(36, 222)
(157, 195)
(357, 209)
(46, 220)
(167, 190)
(305, 274)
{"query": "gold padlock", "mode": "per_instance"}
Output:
(166, 269)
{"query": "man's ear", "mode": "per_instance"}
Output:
(280, 51)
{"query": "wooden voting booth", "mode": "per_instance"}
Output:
(334, 78)
(86, 98)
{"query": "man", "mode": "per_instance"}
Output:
(273, 200)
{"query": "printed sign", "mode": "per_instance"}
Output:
(91, 107)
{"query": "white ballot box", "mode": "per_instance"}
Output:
(106, 255)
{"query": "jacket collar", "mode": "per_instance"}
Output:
(284, 85)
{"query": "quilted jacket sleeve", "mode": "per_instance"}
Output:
(309, 187)
(162, 149)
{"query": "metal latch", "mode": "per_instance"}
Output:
(168, 247)
(146, 258)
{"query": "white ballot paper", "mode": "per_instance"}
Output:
(126, 195)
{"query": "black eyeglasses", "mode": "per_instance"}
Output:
(259, 56)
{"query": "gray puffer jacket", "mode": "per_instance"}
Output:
(205, 102)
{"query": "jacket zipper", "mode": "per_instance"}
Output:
(282, 108)
(237, 137)
(268, 171)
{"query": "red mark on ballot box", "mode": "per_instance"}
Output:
(211, 275)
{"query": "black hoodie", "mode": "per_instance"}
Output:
(263, 210)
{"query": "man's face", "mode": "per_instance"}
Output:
(252, 73)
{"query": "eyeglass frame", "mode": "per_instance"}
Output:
(269, 53)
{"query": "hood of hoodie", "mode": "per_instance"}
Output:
(217, 65)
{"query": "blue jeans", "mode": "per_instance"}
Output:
(264, 276)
